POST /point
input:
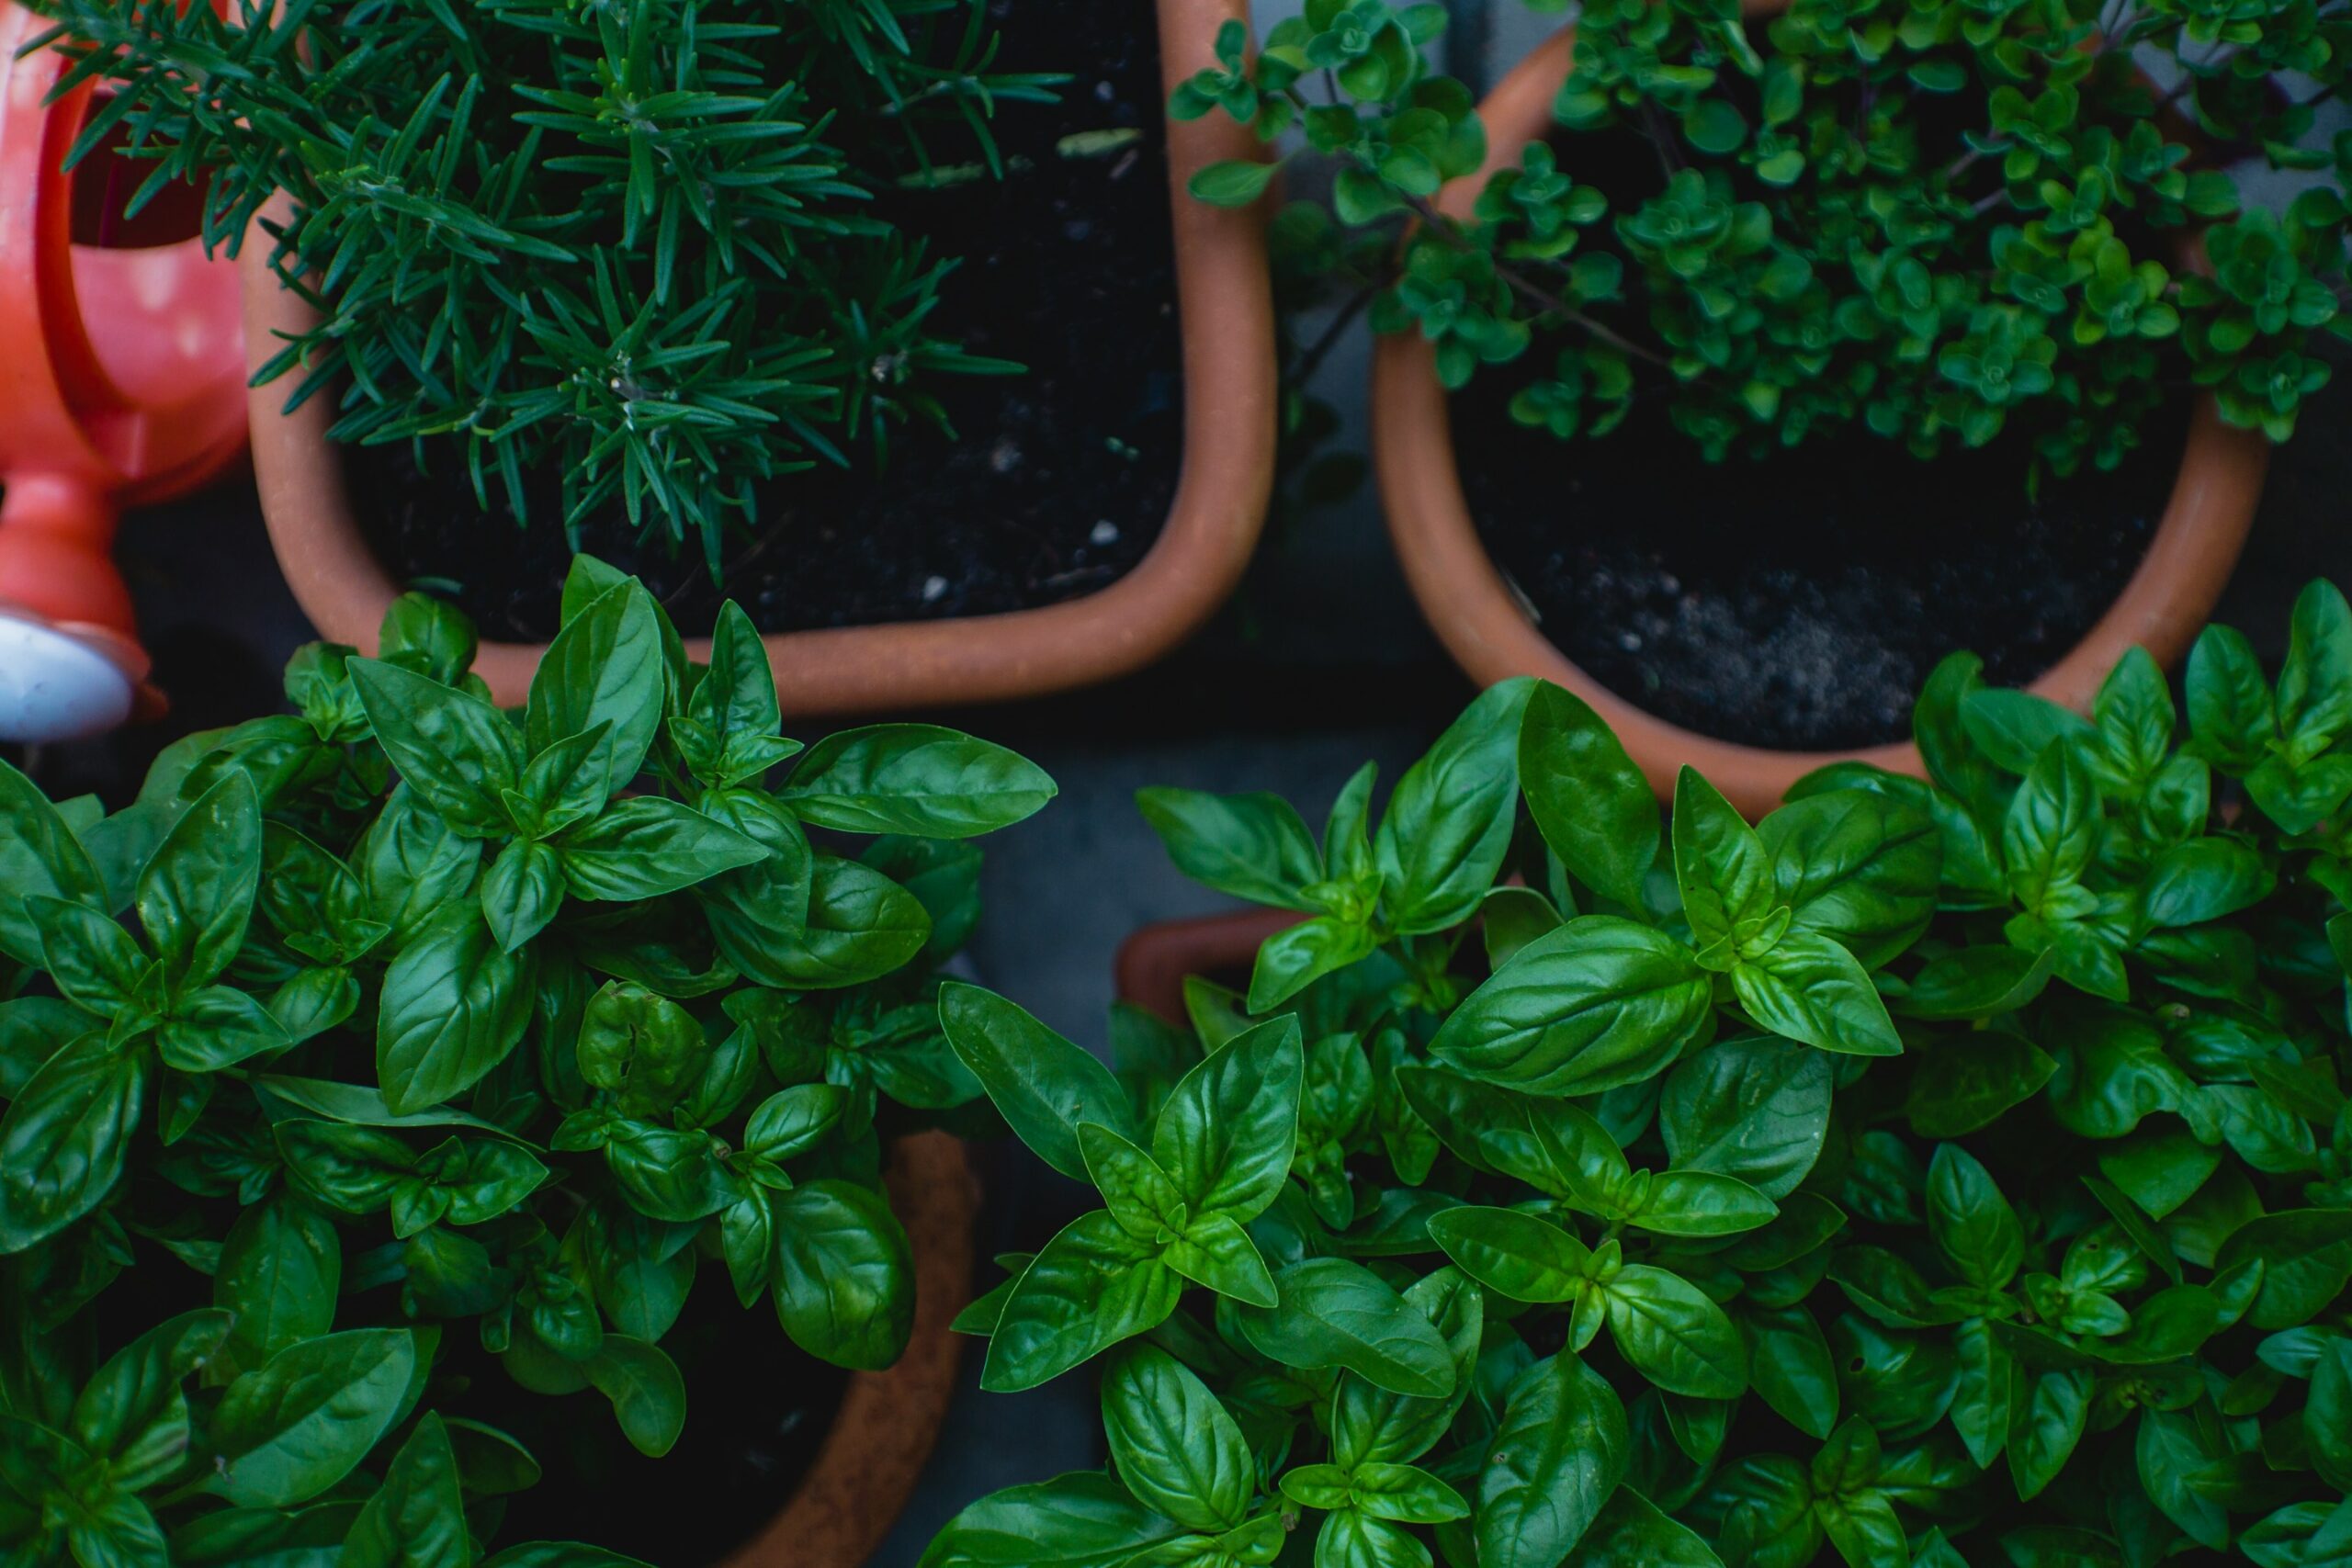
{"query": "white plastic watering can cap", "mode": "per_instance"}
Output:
(55, 686)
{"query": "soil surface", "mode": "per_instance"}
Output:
(1058, 480)
(1800, 602)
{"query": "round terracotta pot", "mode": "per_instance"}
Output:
(888, 1421)
(1153, 961)
(1483, 623)
(1226, 306)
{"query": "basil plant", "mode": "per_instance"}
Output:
(404, 1026)
(1937, 1171)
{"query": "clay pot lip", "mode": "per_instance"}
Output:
(888, 1421)
(1484, 623)
(1225, 307)
(1153, 961)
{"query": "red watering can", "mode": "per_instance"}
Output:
(121, 381)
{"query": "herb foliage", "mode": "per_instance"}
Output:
(636, 243)
(403, 1018)
(1924, 221)
(1933, 1172)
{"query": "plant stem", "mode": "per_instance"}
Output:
(1306, 364)
(1535, 292)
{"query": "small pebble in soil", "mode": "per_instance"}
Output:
(933, 588)
(1105, 533)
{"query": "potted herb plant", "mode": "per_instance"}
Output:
(412, 1103)
(808, 307)
(1941, 1171)
(1874, 330)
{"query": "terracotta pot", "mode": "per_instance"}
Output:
(1484, 625)
(1225, 304)
(888, 1421)
(1152, 963)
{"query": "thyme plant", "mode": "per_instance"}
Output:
(634, 244)
(1927, 219)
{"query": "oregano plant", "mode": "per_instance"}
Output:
(1940, 1171)
(403, 1042)
(1929, 221)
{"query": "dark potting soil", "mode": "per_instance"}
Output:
(1800, 602)
(757, 1407)
(1057, 481)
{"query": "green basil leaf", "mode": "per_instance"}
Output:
(644, 847)
(859, 926)
(40, 856)
(1858, 867)
(1806, 987)
(1251, 846)
(844, 1274)
(1592, 806)
(288, 1431)
(1600, 1002)
(1334, 1313)
(1090, 1287)
(1512, 1254)
(1789, 1364)
(1673, 1335)
(1176, 1447)
(1081, 1521)
(648, 1397)
(1973, 1224)
(1755, 1109)
(914, 778)
(1561, 1449)
(1229, 1129)
(454, 1005)
(458, 754)
(281, 1269)
(196, 895)
(417, 1518)
(1442, 841)
(65, 1138)
(1721, 866)
(1041, 1084)
(604, 667)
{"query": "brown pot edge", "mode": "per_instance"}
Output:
(1152, 963)
(888, 1421)
(1483, 624)
(1225, 479)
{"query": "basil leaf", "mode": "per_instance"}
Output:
(844, 1274)
(648, 1395)
(291, 1429)
(1562, 1447)
(458, 754)
(1090, 1286)
(281, 1269)
(914, 778)
(646, 846)
(65, 1136)
(1041, 1084)
(1758, 1109)
(1229, 1129)
(1806, 987)
(1334, 1313)
(195, 895)
(1856, 866)
(1448, 825)
(1176, 1447)
(1512, 1254)
(1673, 1335)
(1592, 806)
(39, 857)
(1081, 1521)
(604, 667)
(1721, 866)
(454, 1005)
(1602, 1002)
(1252, 846)
(417, 1518)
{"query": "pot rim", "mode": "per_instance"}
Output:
(1486, 627)
(888, 1421)
(1225, 308)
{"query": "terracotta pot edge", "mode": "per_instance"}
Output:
(1224, 482)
